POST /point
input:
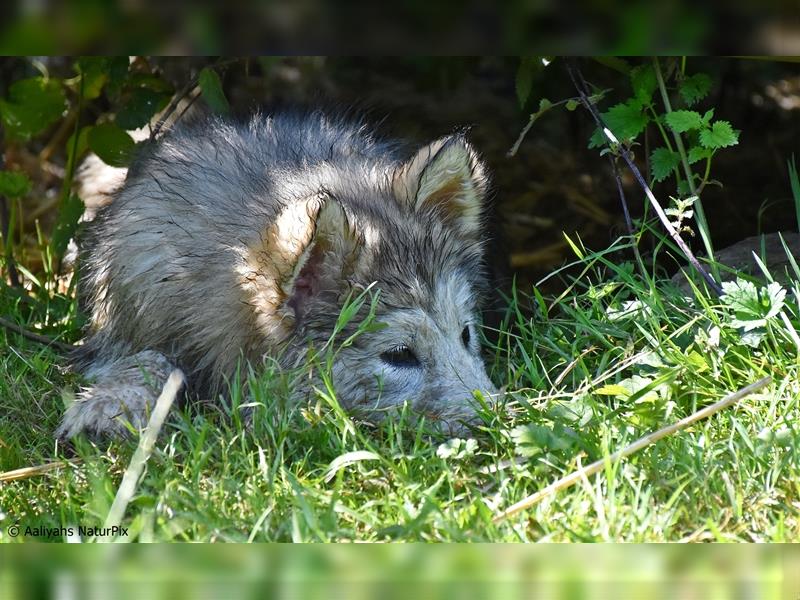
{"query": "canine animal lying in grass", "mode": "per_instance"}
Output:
(244, 240)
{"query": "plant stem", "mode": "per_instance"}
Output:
(700, 216)
(580, 84)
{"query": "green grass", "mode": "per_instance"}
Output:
(587, 372)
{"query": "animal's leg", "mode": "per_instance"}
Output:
(122, 390)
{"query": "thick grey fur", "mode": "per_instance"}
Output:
(174, 271)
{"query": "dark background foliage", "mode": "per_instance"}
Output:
(553, 184)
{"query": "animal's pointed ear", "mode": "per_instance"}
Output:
(445, 176)
(316, 246)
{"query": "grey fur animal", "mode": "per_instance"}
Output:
(243, 240)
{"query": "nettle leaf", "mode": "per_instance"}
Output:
(32, 106)
(14, 184)
(457, 448)
(720, 135)
(698, 153)
(694, 88)
(644, 83)
(112, 144)
(140, 108)
(681, 121)
(626, 121)
(211, 86)
(533, 439)
(662, 163)
(752, 306)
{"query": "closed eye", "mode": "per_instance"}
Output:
(400, 356)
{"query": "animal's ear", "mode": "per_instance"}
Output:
(447, 177)
(318, 247)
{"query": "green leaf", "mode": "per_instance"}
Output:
(140, 108)
(571, 105)
(524, 79)
(457, 448)
(662, 163)
(626, 121)
(697, 153)
(720, 135)
(533, 439)
(612, 390)
(83, 143)
(644, 83)
(752, 306)
(118, 67)
(681, 121)
(67, 222)
(14, 184)
(32, 106)
(211, 86)
(707, 116)
(113, 145)
(94, 70)
(694, 88)
(340, 462)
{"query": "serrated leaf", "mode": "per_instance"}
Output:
(720, 135)
(694, 88)
(707, 116)
(698, 153)
(643, 82)
(112, 144)
(457, 448)
(752, 306)
(32, 106)
(626, 120)
(533, 439)
(211, 87)
(662, 163)
(681, 121)
(140, 108)
(14, 184)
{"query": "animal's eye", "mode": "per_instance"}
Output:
(400, 356)
(465, 336)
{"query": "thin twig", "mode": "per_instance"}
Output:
(627, 215)
(580, 84)
(143, 451)
(642, 442)
(27, 472)
(185, 90)
(42, 339)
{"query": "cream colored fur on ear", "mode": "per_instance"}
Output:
(315, 226)
(446, 176)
